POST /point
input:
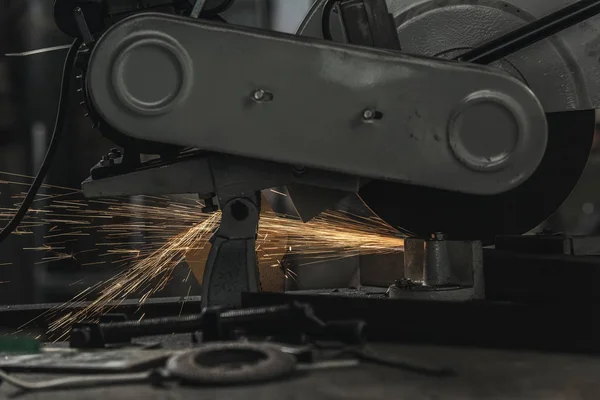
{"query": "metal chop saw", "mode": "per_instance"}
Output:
(471, 118)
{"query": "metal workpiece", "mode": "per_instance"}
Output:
(222, 324)
(404, 290)
(439, 262)
(440, 269)
(437, 270)
(563, 71)
(433, 123)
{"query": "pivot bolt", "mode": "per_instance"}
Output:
(109, 159)
(371, 115)
(438, 236)
(298, 170)
(81, 337)
(114, 153)
(209, 206)
(261, 95)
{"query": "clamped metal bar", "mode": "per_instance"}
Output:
(219, 324)
(231, 268)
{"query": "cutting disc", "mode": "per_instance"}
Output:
(421, 211)
(551, 68)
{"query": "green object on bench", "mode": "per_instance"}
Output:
(21, 345)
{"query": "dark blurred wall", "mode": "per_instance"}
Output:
(29, 89)
(79, 149)
(15, 151)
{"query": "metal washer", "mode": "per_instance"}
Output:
(231, 363)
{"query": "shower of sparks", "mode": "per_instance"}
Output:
(146, 240)
(332, 236)
(147, 275)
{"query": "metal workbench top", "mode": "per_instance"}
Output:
(482, 374)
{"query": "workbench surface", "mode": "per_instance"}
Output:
(482, 374)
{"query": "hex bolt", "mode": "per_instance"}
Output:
(368, 114)
(438, 236)
(80, 337)
(371, 114)
(209, 206)
(261, 95)
(258, 95)
(298, 170)
(114, 153)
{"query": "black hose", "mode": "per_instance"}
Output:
(52, 147)
(533, 32)
(221, 8)
(326, 18)
(367, 355)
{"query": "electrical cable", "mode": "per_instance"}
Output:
(221, 8)
(365, 354)
(52, 147)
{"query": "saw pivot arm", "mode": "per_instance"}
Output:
(397, 118)
(231, 268)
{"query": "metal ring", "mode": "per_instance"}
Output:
(231, 363)
(173, 50)
(496, 161)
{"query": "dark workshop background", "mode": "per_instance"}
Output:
(28, 98)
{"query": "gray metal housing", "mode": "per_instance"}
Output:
(564, 71)
(363, 112)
